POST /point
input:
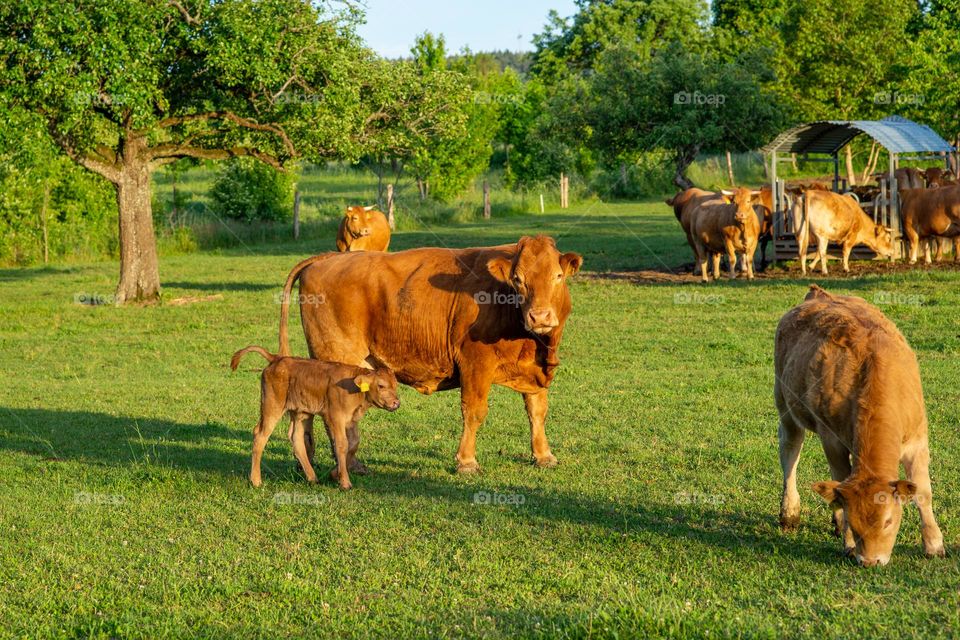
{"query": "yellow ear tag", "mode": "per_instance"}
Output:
(364, 387)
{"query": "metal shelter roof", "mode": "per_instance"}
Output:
(895, 134)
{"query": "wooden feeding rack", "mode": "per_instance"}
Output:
(824, 140)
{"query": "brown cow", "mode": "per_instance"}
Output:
(927, 213)
(363, 229)
(726, 224)
(831, 217)
(686, 204)
(936, 177)
(844, 372)
(445, 318)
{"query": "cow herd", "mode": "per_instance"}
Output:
(437, 319)
(734, 223)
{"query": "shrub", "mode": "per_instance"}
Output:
(249, 190)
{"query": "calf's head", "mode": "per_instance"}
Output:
(883, 241)
(380, 388)
(873, 509)
(744, 199)
(359, 220)
(538, 273)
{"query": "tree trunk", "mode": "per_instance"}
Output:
(139, 269)
(851, 174)
(684, 159)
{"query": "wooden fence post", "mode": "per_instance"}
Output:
(296, 214)
(486, 200)
(390, 219)
(541, 203)
(43, 221)
(730, 169)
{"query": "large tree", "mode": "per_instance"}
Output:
(124, 86)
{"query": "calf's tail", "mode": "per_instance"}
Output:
(235, 360)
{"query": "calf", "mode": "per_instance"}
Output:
(726, 224)
(339, 393)
(845, 372)
(363, 229)
(828, 217)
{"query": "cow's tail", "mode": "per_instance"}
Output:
(285, 301)
(235, 360)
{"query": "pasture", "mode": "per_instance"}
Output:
(125, 441)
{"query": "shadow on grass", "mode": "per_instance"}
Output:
(94, 438)
(222, 286)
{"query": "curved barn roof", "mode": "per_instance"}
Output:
(893, 133)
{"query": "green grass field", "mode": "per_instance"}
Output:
(124, 449)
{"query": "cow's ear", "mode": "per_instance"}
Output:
(903, 490)
(499, 268)
(347, 212)
(828, 491)
(571, 263)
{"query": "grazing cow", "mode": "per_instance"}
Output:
(829, 217)
(445, 318)
(727, 224)
(845, 372)
(363, 229)
(686, 205)
(927, 213)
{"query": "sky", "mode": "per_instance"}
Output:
(483, 25)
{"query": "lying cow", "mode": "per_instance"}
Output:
(824, 217)
(445, 318)
(727, 224)
(363, 229)
(928, 213)
(844, 372)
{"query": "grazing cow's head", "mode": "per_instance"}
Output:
(745, 199)
(358, 220)
(873, 509)
(380, 388)
(883, 241)
(538, 273)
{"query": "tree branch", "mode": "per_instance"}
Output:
(183, 11)
(164, 153)
(240, 121)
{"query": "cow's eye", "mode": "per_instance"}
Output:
(517, 278)
(560, 276)
(354, 218)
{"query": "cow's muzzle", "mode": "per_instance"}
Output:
(541, 321)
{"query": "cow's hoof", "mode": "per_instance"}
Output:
(468, 468)
(789, 523)
(358, 468)
(849, 552)
(256, 482)
(346, 486)
(936, 552)
(548, 461)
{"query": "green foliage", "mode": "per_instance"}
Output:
(247, 190)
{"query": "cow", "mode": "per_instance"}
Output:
(927, 213)
(936, 177)
(844, 372)
(363, 229)
(686, 205)
(726, 224)
(445, 319)
(827, 217)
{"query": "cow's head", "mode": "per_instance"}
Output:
(883, 241)
(744, 199)
(359, 220)
(933, 176)
(380, 388)
(538, 273)
(873, 509)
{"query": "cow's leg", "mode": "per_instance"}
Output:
(716, 257)
(763, 253)
(956, 248)
(822, 244)
(748, 260)
(938, 252)
(270, 414)
(803, 243)
(474, 389)
(791, 442)
(299, 447)
(847, 248)
(917, 467)
(926, 250)
(838, 458)
(536, 404)
(702, 257)
(914, 240)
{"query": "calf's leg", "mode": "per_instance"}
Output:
(297, 438)
(838, 457)
(791, 442)
(270, 413)
(338, 430)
